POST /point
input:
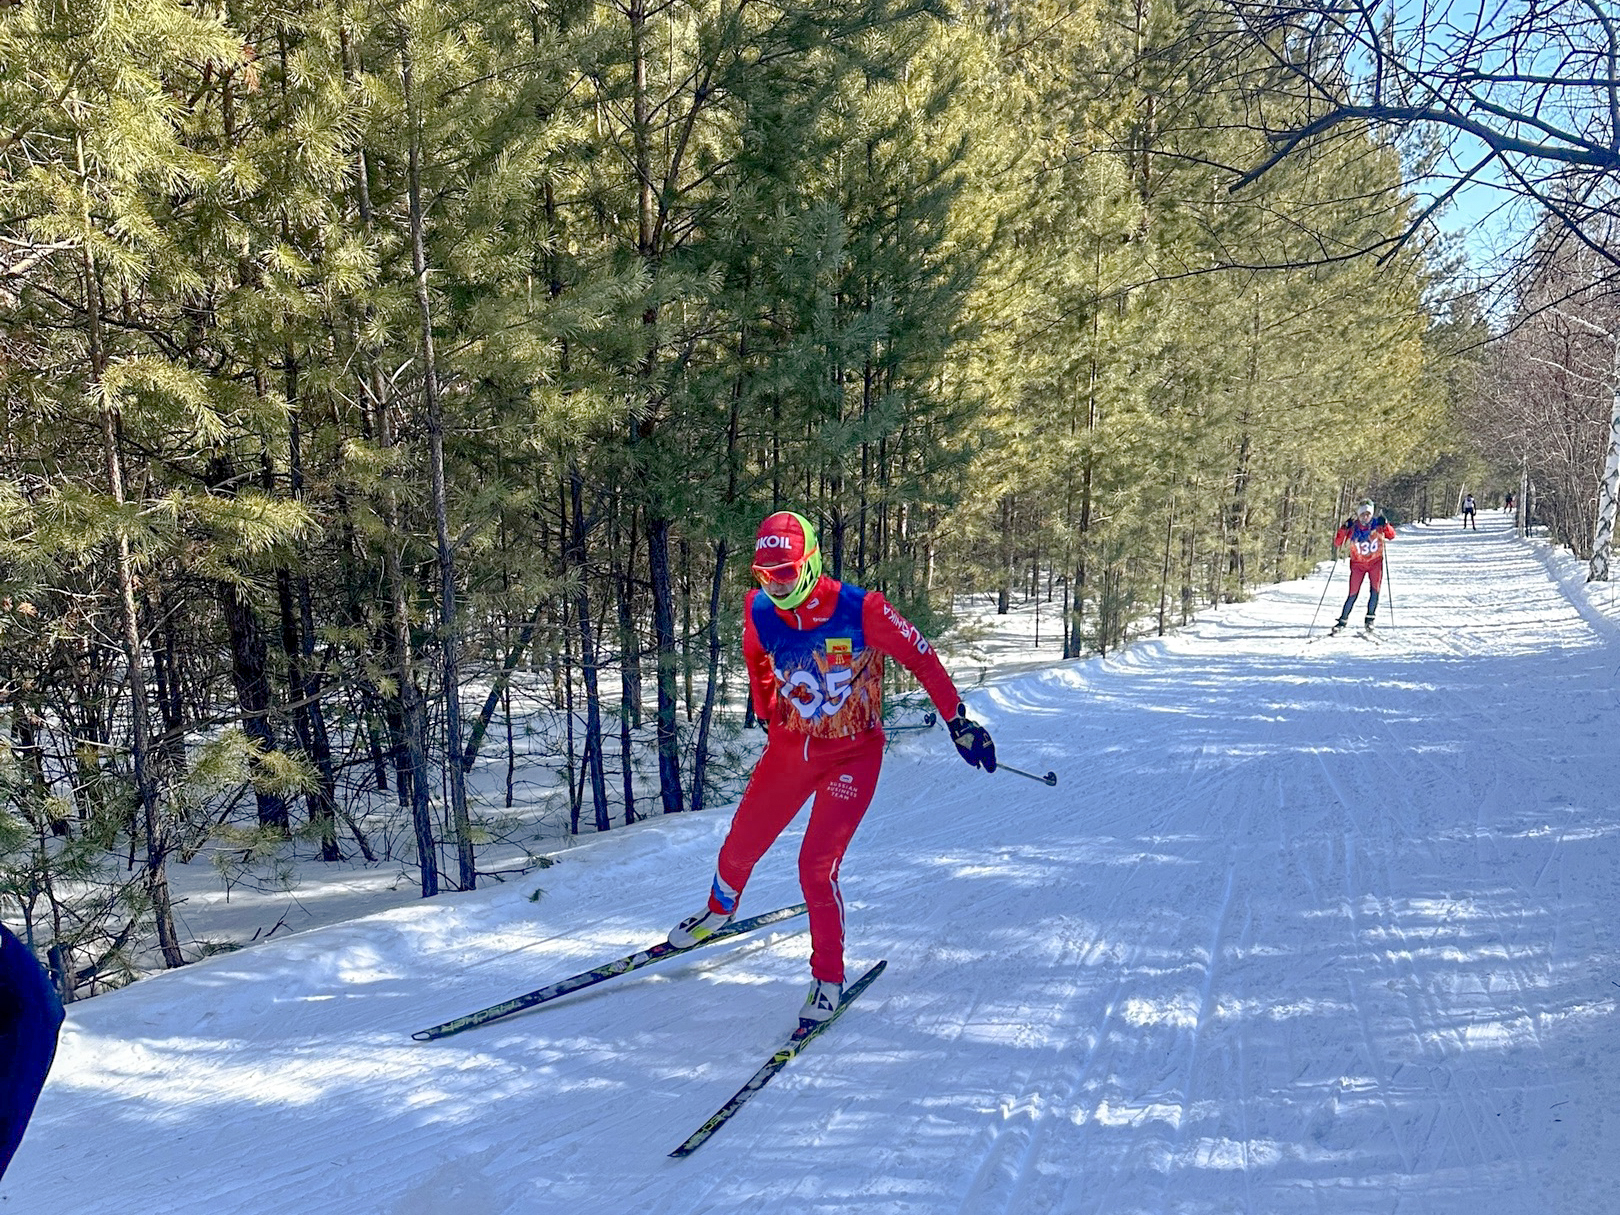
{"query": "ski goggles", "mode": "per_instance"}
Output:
(779, 579)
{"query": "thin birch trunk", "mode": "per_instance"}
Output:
(1609, 487)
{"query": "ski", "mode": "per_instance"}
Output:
(600, 974)
(800, 1038)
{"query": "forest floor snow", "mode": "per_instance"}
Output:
(1323, 926)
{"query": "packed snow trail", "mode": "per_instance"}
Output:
(1306, 927)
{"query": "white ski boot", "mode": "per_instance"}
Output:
(700, 927)
(821, 1003)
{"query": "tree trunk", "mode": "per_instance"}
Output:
(305, 685)
(405, 712)
(169, 757)
(1004, 586)
(411, 774)
(700, 757)
(1236, 514)
(1609, 487)
(686, 629)
(157, 879)
(669, 756)
(1164, 567)
(449, 665)
(298, 644)
(250, 672)
(503, 681)
(624, 584)
(648, 248)
(592, 758)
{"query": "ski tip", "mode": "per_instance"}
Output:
(423, 1035)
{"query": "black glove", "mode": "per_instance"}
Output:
(972, 740)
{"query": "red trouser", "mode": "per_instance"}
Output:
(1358, 572)
(842, 773)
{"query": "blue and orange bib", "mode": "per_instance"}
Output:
(829, 682)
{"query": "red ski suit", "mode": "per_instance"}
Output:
(816, 678)
(1366, 551)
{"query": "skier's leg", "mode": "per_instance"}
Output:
(781, 781)
(1356, 575)
(1375, 578)
(842, 796)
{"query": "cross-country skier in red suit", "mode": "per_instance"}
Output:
(1366, 536)
(814, 647)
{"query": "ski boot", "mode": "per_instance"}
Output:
(1338, 627)
(1367, 628)
(821, 1003)
(700, 927)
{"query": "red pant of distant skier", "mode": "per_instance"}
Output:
(842, 774)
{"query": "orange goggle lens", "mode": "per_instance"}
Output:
(778, 580)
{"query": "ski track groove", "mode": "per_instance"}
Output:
(1026, 1092)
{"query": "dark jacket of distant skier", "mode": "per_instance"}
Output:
(814, 649)
(30, 1016)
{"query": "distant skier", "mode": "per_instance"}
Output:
(1366, 536)
(1468, 512)
(30, 1015)
(814, 648)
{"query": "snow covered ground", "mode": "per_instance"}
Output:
(1305, 927)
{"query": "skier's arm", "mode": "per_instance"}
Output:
(1340, 536)
(1389, 530)
(761, 670)
(891, 633)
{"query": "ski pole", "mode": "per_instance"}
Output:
(1333, 570)
(1049, 779)
(927, 723)
(1390, 588)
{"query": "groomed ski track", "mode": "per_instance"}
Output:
(1321, 927)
